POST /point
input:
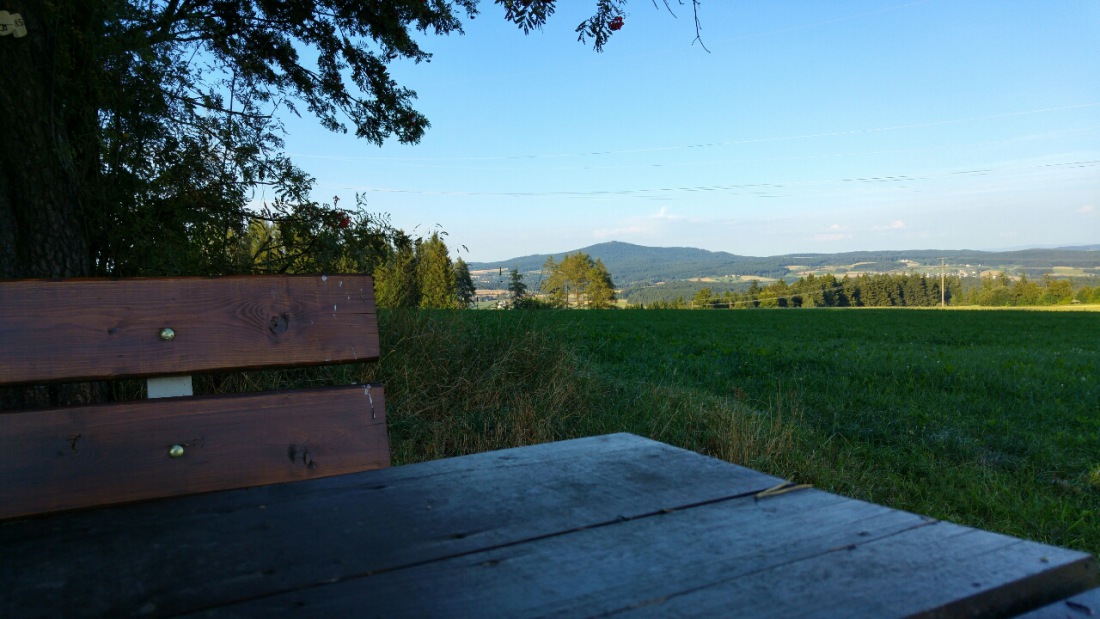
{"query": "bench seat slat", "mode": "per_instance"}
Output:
(79, 457)
(74, 330)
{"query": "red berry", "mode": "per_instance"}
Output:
(616, 23)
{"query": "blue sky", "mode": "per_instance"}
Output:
(811, 126)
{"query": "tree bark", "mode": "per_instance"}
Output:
(44, 164)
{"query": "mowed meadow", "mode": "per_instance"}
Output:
(988, 419)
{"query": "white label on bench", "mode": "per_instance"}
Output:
(169, 386)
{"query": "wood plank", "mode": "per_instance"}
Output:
(939, 571)
(90, 329)
(78, 457)
(1081, 606)
(188, 554)
(806, 553)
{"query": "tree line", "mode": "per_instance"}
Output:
(880, 290)
(420, 274)
(408, 272)
(1002, 291)
(886, 290)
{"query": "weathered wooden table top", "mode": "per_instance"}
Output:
(599, 526)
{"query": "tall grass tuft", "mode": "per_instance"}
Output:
(460, 382)
(764, 439)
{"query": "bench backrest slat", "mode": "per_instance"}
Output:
(104, 329)
(95, 455)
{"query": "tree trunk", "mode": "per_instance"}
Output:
(48, 162)
(45, 164)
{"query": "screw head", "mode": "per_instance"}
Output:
(167, 334)
(175, 451)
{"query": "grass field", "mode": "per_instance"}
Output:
(989, 419)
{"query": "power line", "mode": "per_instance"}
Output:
(428, 164)
(655, 149)
(754, 189)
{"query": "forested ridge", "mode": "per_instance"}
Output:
(638, 265)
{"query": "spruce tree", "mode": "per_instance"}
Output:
(516, 287)
(395, 283)
(435, 274)
(464, 284)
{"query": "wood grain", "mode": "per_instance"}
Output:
(78, 457)
(91, 329)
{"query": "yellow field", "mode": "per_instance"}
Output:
(1079, 307)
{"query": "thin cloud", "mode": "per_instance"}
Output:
(835, 232)
(895, 225)
(664, 215)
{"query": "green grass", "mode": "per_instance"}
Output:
(989, 419)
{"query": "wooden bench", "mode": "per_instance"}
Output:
(599, 526)
(90, 330)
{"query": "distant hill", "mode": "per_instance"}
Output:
(637, 265)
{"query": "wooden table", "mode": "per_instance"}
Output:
(600, 526)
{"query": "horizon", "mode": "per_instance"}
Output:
(806, 128)
(1074, 247)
